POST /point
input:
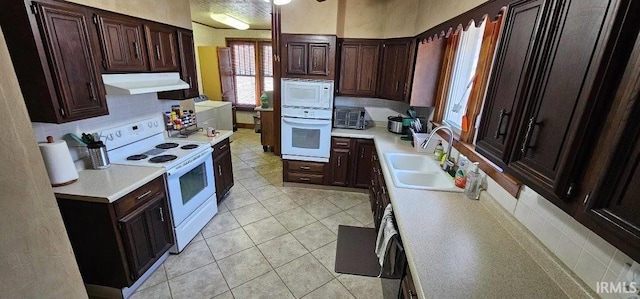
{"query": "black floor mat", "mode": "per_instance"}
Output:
(355, 252)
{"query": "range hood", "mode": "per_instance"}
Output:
(125, 84)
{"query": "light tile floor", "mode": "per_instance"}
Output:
(267, 240)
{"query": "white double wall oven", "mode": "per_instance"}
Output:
(307, 108)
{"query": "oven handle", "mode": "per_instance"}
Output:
(307, 122)
(194, 161)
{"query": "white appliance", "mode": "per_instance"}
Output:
(307, 108)
(213, 114)
(189, 168)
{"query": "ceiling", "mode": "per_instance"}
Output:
(256, 13)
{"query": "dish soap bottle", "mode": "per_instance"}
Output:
(461, 174)
(439, 151)
(473, 182)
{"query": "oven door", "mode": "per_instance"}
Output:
(306, 139)
(190, 184)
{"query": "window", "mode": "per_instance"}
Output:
(252, 69)
(463, 75)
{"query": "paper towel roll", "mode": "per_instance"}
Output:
(57, 159)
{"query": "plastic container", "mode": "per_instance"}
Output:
(264, 101)
(473, 182)
(461, 174)
(439, 151)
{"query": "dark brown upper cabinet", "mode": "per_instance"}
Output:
(610, 188)
(162, 47)
(540, 97)
(396, 69)
(359, 67)
(123, 44)
(308, 56)
(188, 71)
(54, 52)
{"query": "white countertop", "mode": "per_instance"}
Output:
(108, 185)
(462, 248)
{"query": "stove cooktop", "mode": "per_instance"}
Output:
(164, 154)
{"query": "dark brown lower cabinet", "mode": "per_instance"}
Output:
(378, 196)
(407, 287)
(223, 169)
(115, 243)
(361, 170)
(350, 162)
(305, 172)
(339, 167)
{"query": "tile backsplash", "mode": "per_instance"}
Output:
(122, 109)
(588, 255)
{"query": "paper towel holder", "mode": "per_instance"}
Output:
(50, 140)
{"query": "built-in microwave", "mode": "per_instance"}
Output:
(300, 95)
(349, 118)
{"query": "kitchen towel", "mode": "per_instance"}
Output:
(57, 159)
(386, 233)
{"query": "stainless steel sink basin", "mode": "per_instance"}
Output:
(419, 172)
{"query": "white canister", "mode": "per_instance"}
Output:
(211, 131)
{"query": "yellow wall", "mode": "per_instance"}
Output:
(174, 12)
(370, 18)
(206, 40)
(35, 254)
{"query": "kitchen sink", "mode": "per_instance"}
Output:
(419, 172)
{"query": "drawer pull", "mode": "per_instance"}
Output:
(223, 147)
(157, 52)
(219, 170)
(136, 50)
(143, 195)
(305, 167)
(304, 179)
(161, 215)
(339, 160)
(342, 143)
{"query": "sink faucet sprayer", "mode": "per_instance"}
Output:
(425, 143)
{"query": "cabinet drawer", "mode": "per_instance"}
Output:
(304, 167)
(139, 196)
(340, 142)
(221, 147)
(306, 178)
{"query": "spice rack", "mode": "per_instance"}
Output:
(180, 123)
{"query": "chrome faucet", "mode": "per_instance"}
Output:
(425, 143)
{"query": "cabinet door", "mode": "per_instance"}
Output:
(318, 59)
(393, 74)
(297, 58)
(219, 178)
(358, 68)
(339, 164)
(162, 48)
(361, 170)
(74, 69)
(507, 85)
(188, 62)
(227, 170)
(122, 42)
(545, 149)
(147, 234)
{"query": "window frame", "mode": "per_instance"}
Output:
(258, 59)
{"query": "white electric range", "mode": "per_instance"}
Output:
(189, 169)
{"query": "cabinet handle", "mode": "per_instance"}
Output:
(136, 49)
(299, 61)
(92, 92)
(339, 159)
(190, 84)
(369, 83)
(411, 294)
(143, 195)
(161, 214)
(305, 167)
(503, 113)
(397, 85)
(384, 190)
(157, 52)
(303, 179)
(527, 136)
(341, 144)
(219, 170)
(222, 147)
(362, 154)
